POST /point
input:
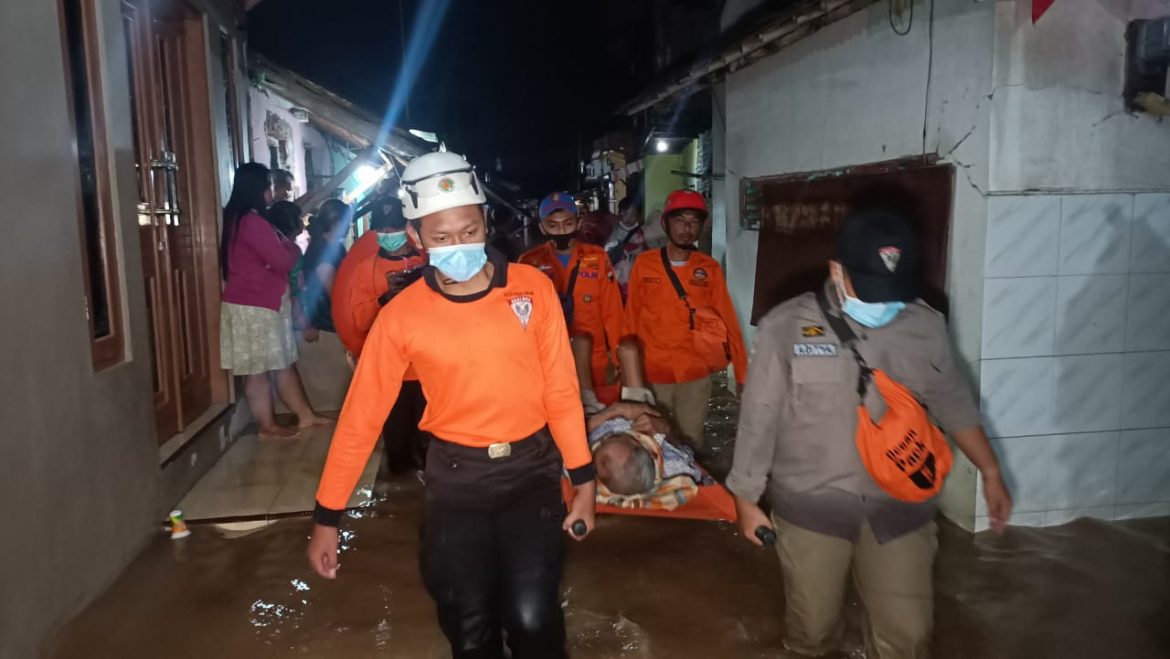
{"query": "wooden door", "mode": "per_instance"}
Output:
(166, 52)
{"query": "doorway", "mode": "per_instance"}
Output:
(798, 216)
(177, 205)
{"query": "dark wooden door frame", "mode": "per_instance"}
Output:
(178, 209)
(800, 214)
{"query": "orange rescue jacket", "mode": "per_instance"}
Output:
(358, 287)
(494, 367)
(597, 298)
(661, 321)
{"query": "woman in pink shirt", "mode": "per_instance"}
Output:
(256, 331)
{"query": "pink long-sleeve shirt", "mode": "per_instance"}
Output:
(259, 260)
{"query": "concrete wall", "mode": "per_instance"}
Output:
(657, 183)
(260, 104)
(854, 93)
(1060, 244)
(1077, 304)
(1058, 120)
(219, 111)
(79, 460)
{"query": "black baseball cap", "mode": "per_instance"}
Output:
(880, 251)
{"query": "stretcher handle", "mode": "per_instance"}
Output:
(579, 529)
(766, 535)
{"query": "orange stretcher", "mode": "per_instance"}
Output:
(713, 502)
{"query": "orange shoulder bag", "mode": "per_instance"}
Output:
(906, 454)
(708, 331)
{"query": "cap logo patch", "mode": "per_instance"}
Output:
(446, 184)
(522, 307)
(890, 256)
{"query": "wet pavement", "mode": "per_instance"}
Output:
(635, 588)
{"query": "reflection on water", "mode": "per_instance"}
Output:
(636, 588)
(722, 416)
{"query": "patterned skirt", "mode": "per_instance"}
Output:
(255, 340)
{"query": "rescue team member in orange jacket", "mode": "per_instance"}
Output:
(381, 263)
(585, 281)
(679, 377)
(489, 344)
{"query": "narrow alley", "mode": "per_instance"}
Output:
(591, 329)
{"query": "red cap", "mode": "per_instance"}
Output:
(684, 200)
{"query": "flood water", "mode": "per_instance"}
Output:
(635, 588)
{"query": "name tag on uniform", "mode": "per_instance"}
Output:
(814, 349)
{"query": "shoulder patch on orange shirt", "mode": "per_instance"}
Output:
(521, 304)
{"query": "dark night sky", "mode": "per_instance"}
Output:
(522, 80)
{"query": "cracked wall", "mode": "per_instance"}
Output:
(1058, 120)
(1076, 331)
(854, 93)
(1059, 273)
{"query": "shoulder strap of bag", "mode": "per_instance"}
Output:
(615, 253)
(573, 278)
(678, 287)
(848, 338)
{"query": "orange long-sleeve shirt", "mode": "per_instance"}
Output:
(597, 298)
(494, 367)
(661, 321)
(358, 286)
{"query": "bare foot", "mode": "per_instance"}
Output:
(313, 422)
(277, 432)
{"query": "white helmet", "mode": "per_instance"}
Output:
(437, 181)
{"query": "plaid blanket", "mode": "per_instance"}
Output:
(672, 489)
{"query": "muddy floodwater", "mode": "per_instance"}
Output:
(635, 588)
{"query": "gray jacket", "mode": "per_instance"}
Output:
(798, 416)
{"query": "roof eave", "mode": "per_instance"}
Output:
(770, 35)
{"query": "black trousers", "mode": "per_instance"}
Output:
(492, 549)
(403, 444)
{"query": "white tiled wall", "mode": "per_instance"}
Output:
(1076, 354)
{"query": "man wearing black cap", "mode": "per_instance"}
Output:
(796, 441)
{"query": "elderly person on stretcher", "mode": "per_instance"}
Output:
(638, 465)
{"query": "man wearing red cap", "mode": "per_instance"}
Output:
(681, 313)
(586, 283)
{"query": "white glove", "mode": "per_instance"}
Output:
(590, 402)
(638, 395)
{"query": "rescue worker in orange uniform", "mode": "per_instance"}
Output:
(490, 347)
(381, 264)
(586, 282)
(665, 322)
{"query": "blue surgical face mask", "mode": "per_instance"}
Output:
(459, 262)
(392, 242)
(871, 314)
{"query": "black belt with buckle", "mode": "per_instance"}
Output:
(499, 450)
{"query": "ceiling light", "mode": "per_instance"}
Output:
(662, 146)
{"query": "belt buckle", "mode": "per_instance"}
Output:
(497, 451)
